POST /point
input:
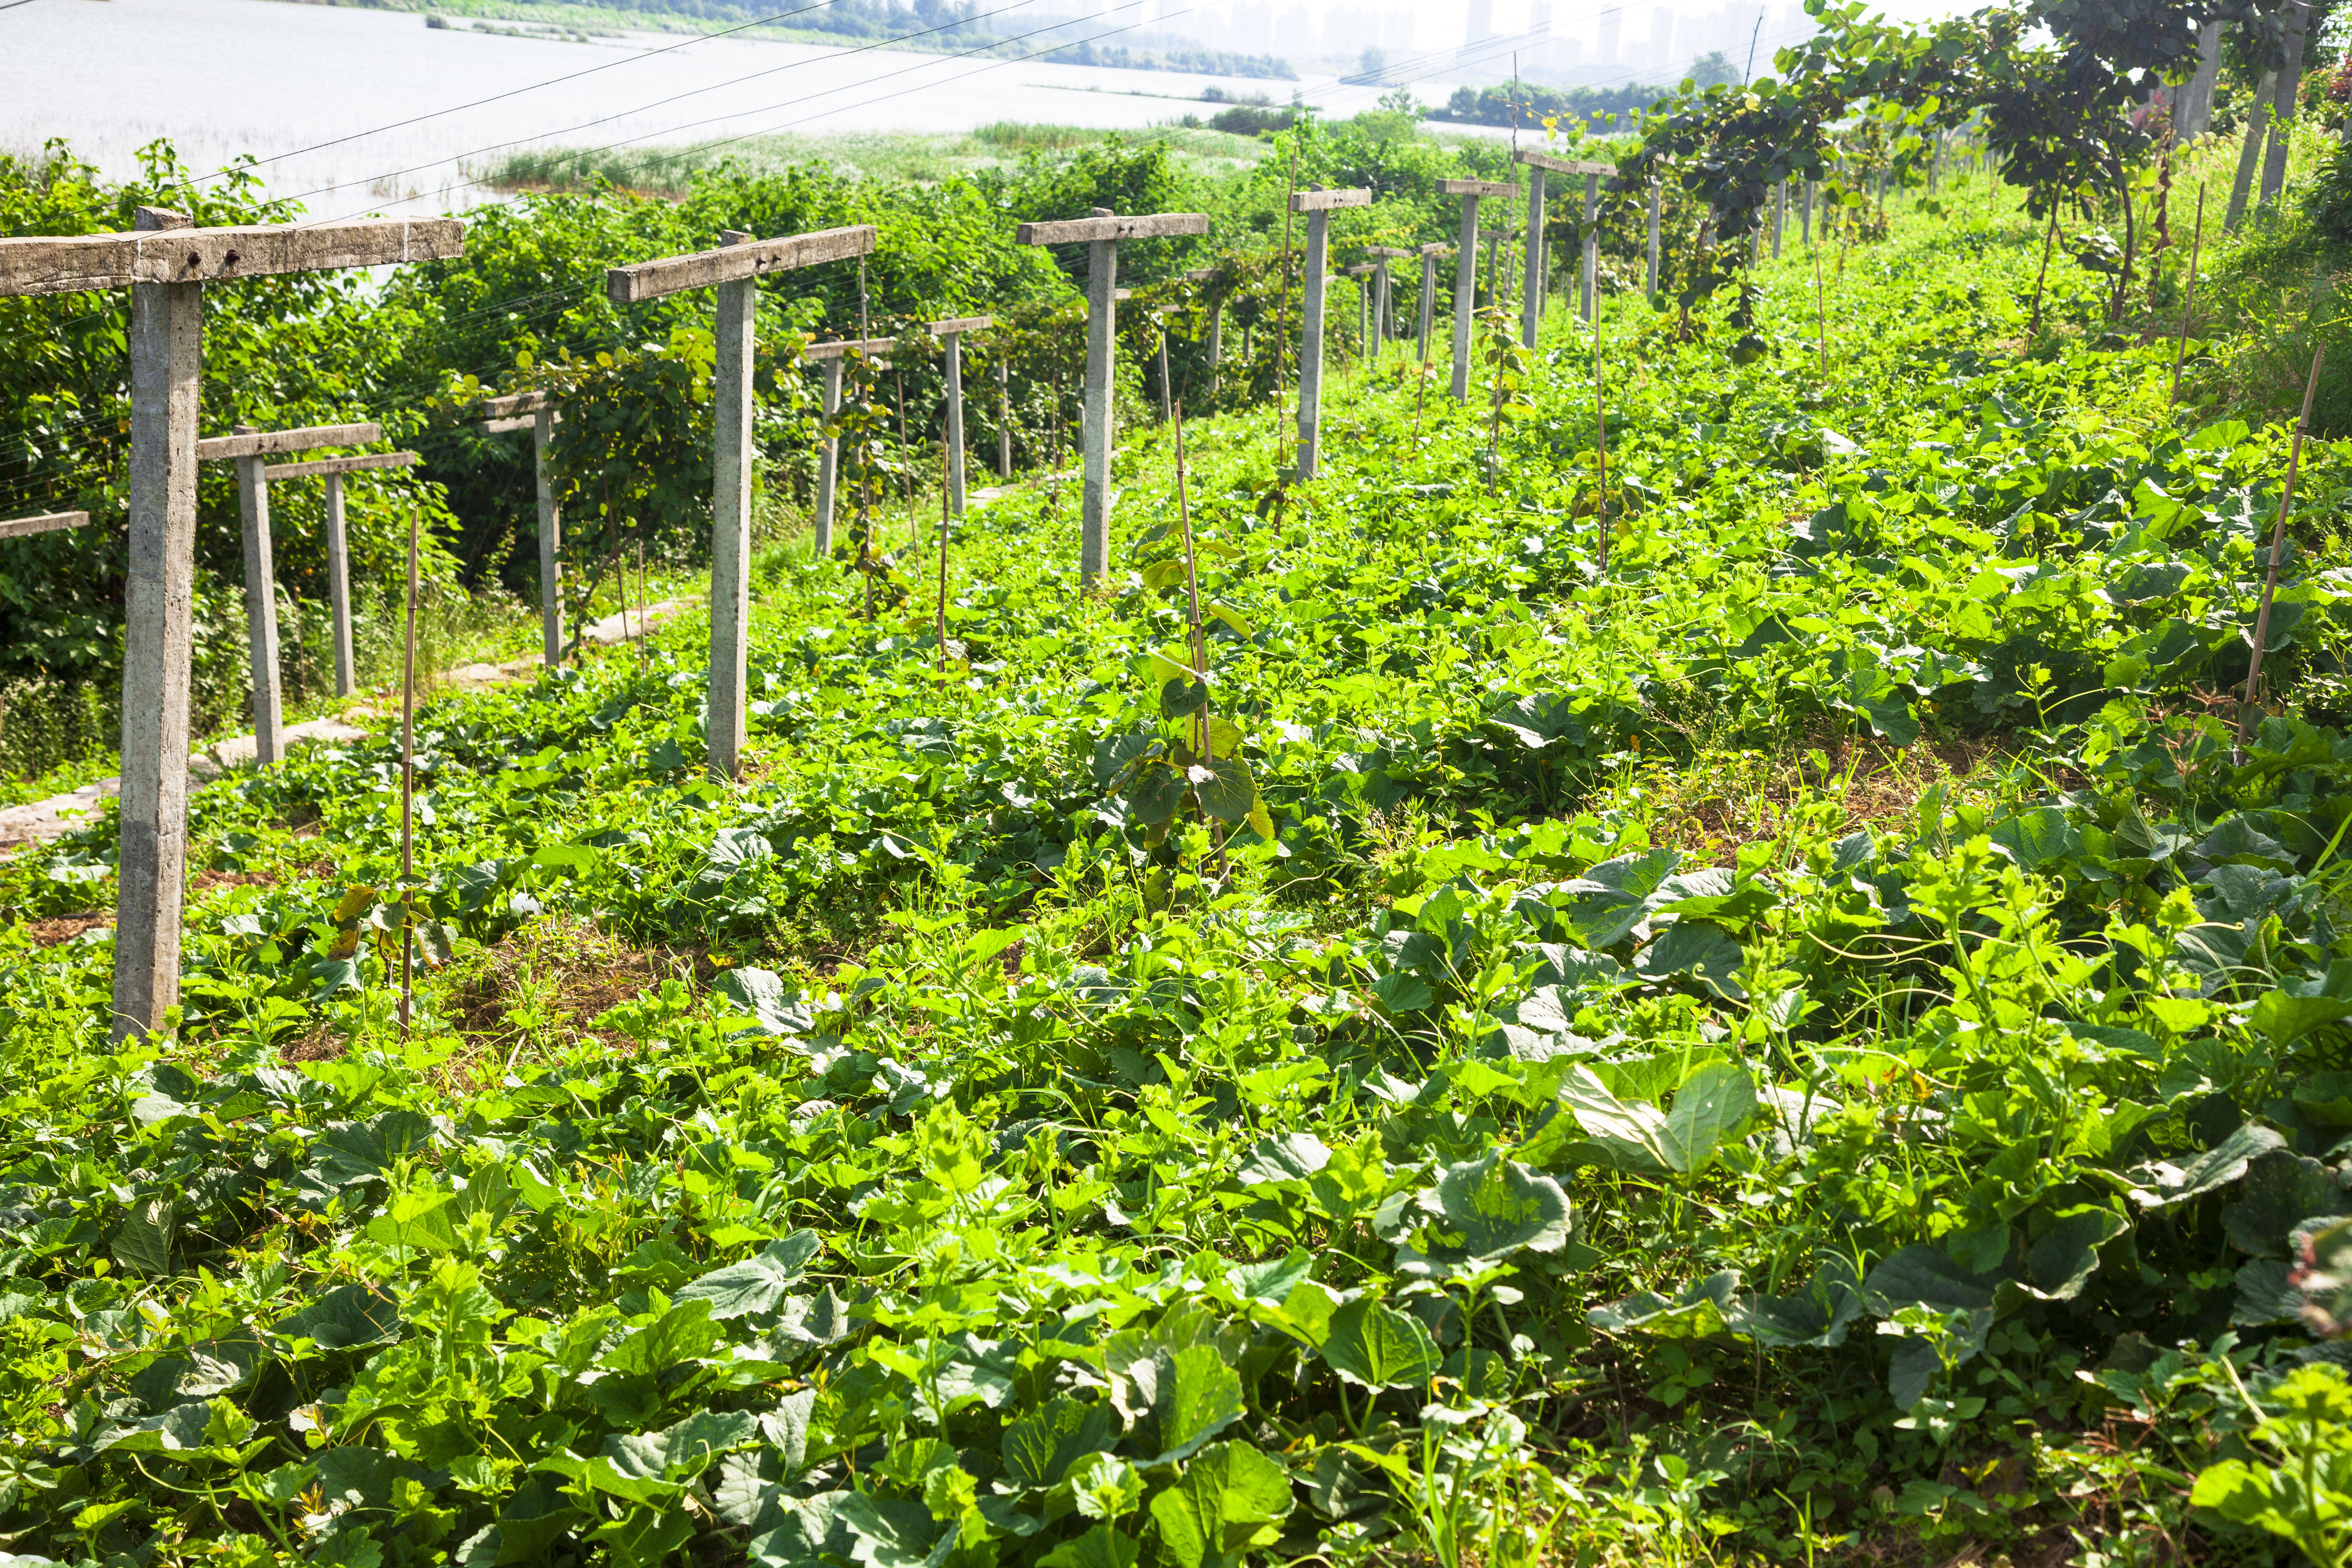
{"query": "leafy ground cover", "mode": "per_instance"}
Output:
(1808, 1043)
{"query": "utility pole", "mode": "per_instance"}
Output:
(1318, 204)
(165, 262)
(339, 560)
(828, 454)
(734, 269)
(1465, 271)
(1101, 233)
(536, 412)
(247, 446)
(951, 333)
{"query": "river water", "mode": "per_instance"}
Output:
(362, 110)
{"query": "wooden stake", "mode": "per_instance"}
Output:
(1822, 302)
(2188, 304)
(2278, 540)
(906, 459)
(408, 789)
(939, 620)
(1600, 431)
(2048, 241)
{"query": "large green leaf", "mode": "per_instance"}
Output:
(1631, 1137)
(1230, 791)
(1040, 1448)
(1373, 1345)
(344, 1319)
(772, 1002)
(1702, 1309)
(1198, 1396)
(1713, 1103)
(760, 1282)
(1488, 1208)
(1229, 1501)
(143, 1240)
(1700, 949)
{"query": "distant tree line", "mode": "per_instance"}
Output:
(1526, 104)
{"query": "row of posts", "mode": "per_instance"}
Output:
(166, 262)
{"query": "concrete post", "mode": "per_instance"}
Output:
(732, 269)
(1531, 299)
(1657, 204)
(951, 333)
(1363, 276)
(166, 347)
(260, 606)
(731, 516)
(550, 541)
(1310, 342)
(1780, 210)
(1318, 204)
(339, 585)
(1216, 343)
(1805, 214)
(828, 460)
(1466, 289)
(1094, 512)
(166, 375)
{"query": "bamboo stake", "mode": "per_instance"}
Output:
(939, 620)
(2188, 304)
(1282, 308)
(1601, 428)
(1822, 303)
(905, 458)
(2048, 241)
(2278, 541)
(408, 792)
(866, 462)
(644, 652)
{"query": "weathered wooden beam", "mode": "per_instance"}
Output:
(324, 466)
(270, 442)
(513, 402)
(1558, 166)
(47, 522)
(731, 465)
(1322, 200)
(1319, 205)
(1475, 188)
(1199, 274)
(1387, 251)
(1101, 233)
(835, 350)
(955, 324)
(35, 265)
(508, 426)
(1111, 227)
(734, 263)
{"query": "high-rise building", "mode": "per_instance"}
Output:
(1661, 53)
(1612, 25)
(1397, 36)
(1482, 23)
(1539, 21)
(1294, 31)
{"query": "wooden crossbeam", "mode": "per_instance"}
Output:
(514, 403)
(1313, 200)
(730, 263)
(835, 349)
(1386, 250)
(270, 443)
(1363, 271)
(962, 324)
(1476, 188)
(1435, 247)
(1079, 230)
(1562, 165)
(35, 265)
(325, 466)
(47, 522)
(1200, 275)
